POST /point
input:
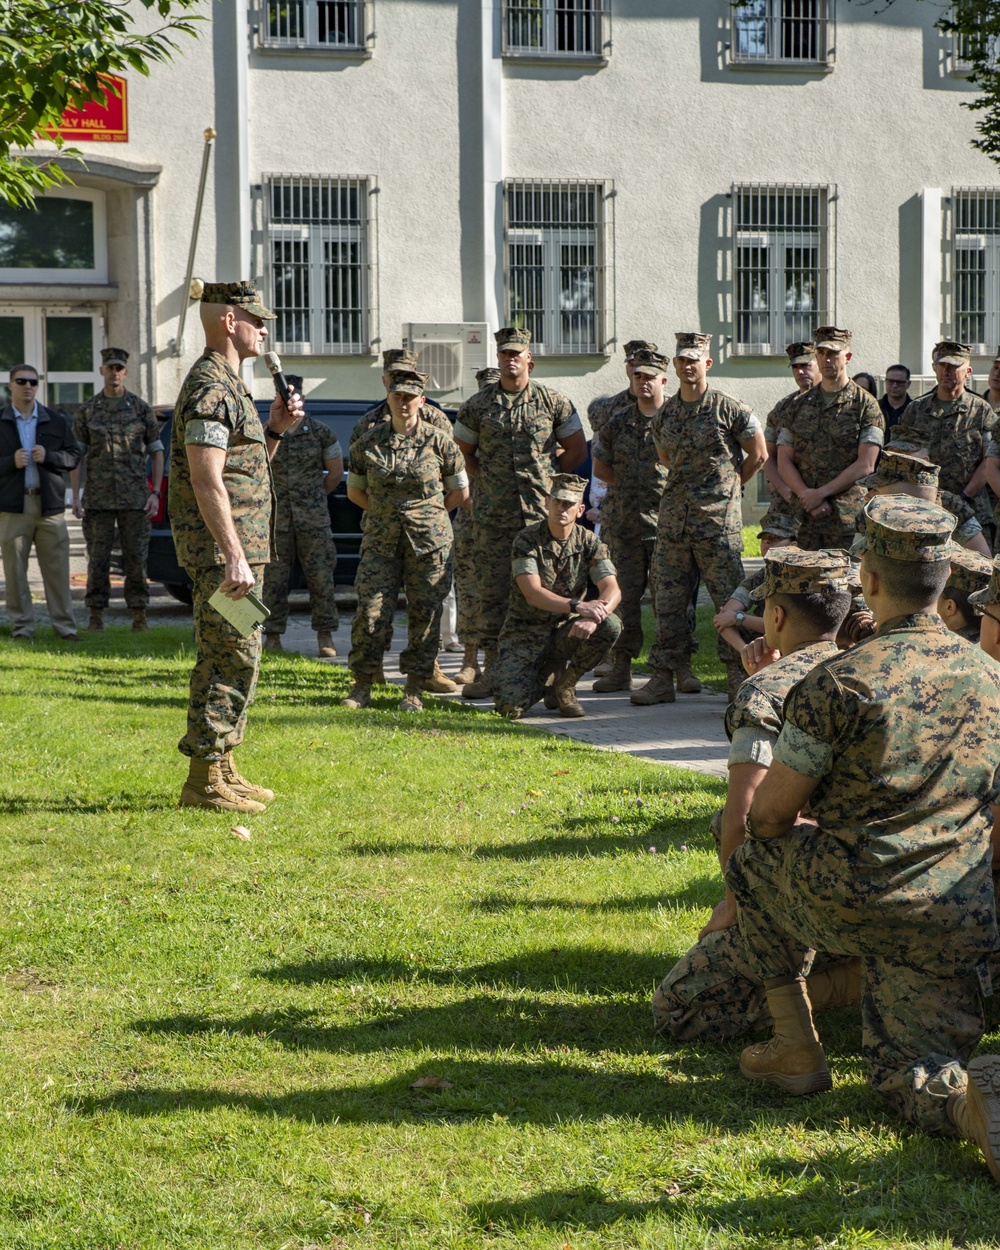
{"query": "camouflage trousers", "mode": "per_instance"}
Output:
(676, 564)
(712, 993)
(224, 676)
(633, 561)
(426, 580)
(922, 1012)
(466, 585)
(318, 557)
(99, 535)
(491, 549)
(528, 656)
(827, 533)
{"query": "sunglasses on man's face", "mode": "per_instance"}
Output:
(25, 381)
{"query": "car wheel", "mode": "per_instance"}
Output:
(181, 592)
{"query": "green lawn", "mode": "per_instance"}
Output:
(212, 1043)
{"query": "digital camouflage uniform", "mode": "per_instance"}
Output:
(600, 411)
(118, 434)
(517, 434)
(713, 993)
(825, 437)
(214, 409)
(302, 526)
(430, 414)
(956, 440)
(700, 521)
(629, 513)
(533, 642)
(900, 731)
(406, 544)
(466, 584)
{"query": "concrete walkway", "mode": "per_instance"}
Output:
(688, 733)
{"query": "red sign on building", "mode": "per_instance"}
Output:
(101, 121)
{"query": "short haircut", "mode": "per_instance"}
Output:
(961, 600)
(901, 368)
(824, 610)
(15, 368)
(914, 583)
(869, 384)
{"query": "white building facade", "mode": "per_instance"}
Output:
(598, 170)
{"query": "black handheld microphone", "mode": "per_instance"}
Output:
(273, 362)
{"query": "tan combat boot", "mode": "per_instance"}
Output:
(837, 986)
(482, 687)
(976, 1113)
(206, 787)
(793, 1059)
(659, 689)
(411, 701)
(139, 623)
(618, 676)
(361, 693)
(96, 623)
(687, 683)
(272, 642)
(438, 682)
(324, 644)
(239, 784)
(565, 692)
(470, 665)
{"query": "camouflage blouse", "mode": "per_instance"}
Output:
(118, 434)
(214, 409)
(632, 503)
(406, 477)
(563, 566)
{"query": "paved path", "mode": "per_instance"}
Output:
(688, 733)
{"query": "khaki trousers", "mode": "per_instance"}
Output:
(18, 530)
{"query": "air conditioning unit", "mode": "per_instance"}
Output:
(450, 354)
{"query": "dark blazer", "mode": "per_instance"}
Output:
(62, 453)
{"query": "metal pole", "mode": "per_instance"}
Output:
(179, 341)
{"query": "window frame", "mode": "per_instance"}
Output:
(986, 241)
(822, 62)
(316, 234)
(98, 273)
(774, 238)
(547, 236)
(599, 12)
(309, 42)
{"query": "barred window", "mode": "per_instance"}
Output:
(782, 265)
(790, 32)
(318, 24)
(967, 46)
(556, 28)
(975, 281)
(557, 271)
(320, 251)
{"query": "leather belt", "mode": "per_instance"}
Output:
(36, 491)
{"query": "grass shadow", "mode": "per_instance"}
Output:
(19, 805)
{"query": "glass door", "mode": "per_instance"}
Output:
(62, 343)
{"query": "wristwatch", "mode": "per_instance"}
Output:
(273, 433)
(574, 605)
(740, 617)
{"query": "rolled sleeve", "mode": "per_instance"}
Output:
(464, 434)
(872, 434)
(802, 752)
(456, 481)
(751, 746)
(333, 451)
(569, 424)
(357, 481)
(522, 565)
(201, 432)
(742, 597)
(601, 569)
(155, 445)
(785, 437)
(968, 529)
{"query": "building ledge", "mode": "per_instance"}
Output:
(130, 173)
(57, 293)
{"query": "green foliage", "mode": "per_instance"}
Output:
(53, 56)
(209, 1042)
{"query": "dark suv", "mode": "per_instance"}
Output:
(338, 415)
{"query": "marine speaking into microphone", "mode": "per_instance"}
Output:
(273, 362)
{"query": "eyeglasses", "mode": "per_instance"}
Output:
(25, 381)
(981, 611)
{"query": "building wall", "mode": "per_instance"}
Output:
(666, 119)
